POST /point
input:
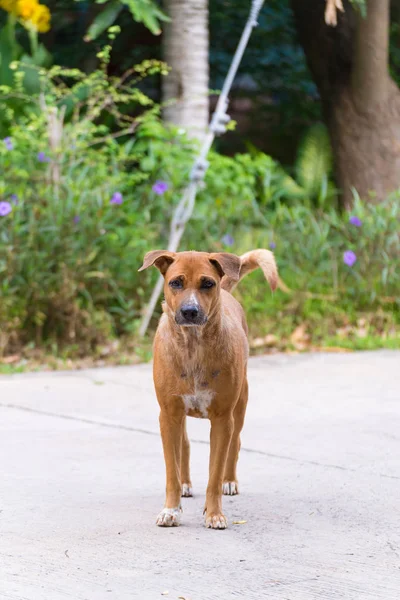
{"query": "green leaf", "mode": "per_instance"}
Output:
(31, 77)
(314, 161)
(9, 51)
(103, 20)
(148, 13)
(42, 57)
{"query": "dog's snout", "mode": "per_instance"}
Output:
(190, 312)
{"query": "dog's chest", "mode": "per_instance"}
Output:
(196, 404)
(200, 393)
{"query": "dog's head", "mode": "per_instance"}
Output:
(192, 281)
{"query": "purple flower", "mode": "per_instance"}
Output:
(42, 157)
(8, 143)
(77, 219)
(272, 245)
(116, 198)
(160, 187)
(227, 240)
(14, 199)
(5, 209)
(355, 221)
(349, 258)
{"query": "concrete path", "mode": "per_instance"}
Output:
(82, 480)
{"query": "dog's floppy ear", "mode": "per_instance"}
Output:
(161, 259)
(226, 264)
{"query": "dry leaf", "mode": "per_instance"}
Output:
(239, 522)
(361, 332)
(261, 342)
(343, 332)
(165, 593)
(330, 11)
(300, 335)
(8, 360)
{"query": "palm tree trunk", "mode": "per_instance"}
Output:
(185, 89)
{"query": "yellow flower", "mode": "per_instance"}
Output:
(9, 5)
(41, 18)
(26, 8)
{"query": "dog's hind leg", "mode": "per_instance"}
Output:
(185, 464)
(230, 487)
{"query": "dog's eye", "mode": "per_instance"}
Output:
(206, 284)
(175, 284)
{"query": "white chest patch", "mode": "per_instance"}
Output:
(199, 401)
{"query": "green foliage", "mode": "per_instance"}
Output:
(81, 213)
(30, 60)
(84, 212)
(312, 169)
(143, 11)
(361, 6)
(104, 20)
(338, 305)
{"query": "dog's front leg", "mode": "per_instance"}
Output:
(171, 427)
(220, 438)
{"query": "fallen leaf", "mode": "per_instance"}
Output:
(257, 343)
(344, 332)
(300, 338)
(165, 593)
(361, 332)
(239, 522)
(268, 340)
(8, 360)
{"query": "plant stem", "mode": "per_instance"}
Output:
(33, 38)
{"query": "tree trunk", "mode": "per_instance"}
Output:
(361, 103)
(185, 89)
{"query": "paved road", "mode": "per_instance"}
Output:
(82, 478)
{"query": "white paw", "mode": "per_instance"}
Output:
(216, 522)
(169, 517)
(230, 488)
(187, 491)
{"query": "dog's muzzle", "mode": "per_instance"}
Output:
(190, 314)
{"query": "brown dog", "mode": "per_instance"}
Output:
(200, 368)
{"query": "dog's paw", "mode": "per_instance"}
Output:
(169, 517)
(230, 488)
(216, 521)
(187, 491)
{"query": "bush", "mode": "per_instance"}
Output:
(84, 197)
(341, 271)
(77, 212)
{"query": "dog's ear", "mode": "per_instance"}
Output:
(226, 264)
(161, 259)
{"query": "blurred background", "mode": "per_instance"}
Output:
(103, 107)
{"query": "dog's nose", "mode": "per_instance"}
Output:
(189, 312)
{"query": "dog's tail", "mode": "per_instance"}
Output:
(251, 261)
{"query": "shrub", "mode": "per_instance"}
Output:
(86, 190)
(77, 212)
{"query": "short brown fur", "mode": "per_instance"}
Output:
(200, 368)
